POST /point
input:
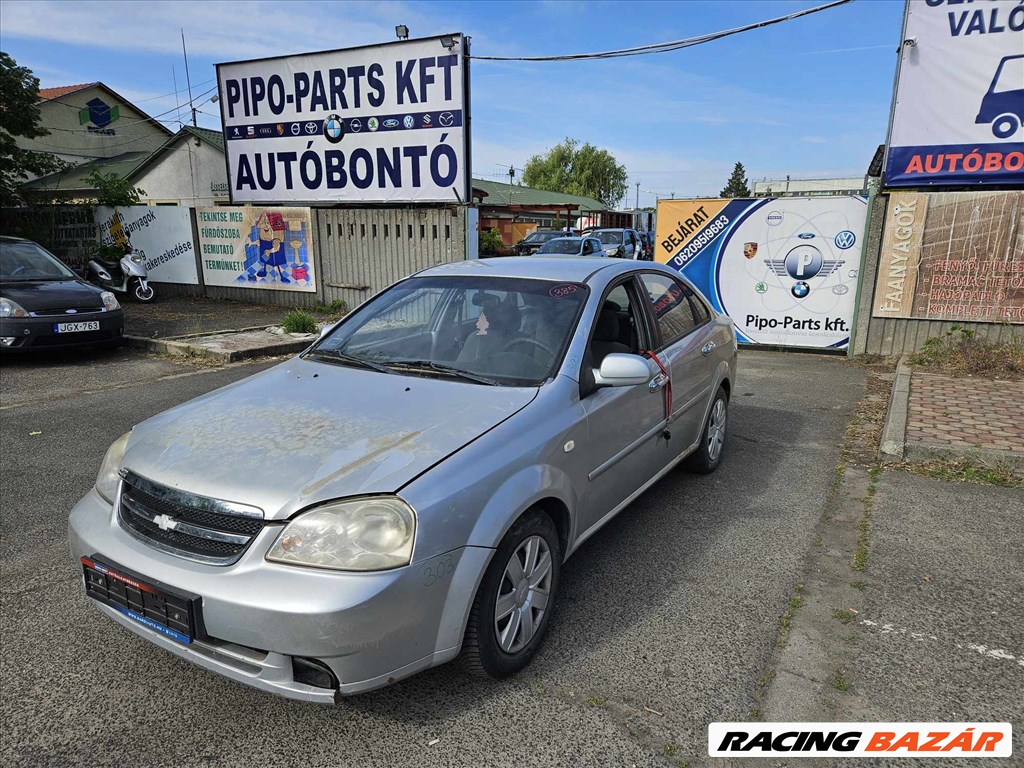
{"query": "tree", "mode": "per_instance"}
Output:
(577, 169)
(20, 118)
(737, 185)
(113, 190)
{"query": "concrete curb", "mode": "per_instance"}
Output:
(182, 348)
(924, 452)
(894, 435)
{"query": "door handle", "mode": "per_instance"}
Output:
(658, 382)
(706, 349)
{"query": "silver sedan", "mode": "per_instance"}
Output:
(406, 491)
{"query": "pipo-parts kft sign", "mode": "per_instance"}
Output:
(384, 123)
(959, 99)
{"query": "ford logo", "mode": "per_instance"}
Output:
(805, 236)
(390, 123)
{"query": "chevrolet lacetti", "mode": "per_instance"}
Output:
(406, 490)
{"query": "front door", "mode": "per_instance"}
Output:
(623, 422)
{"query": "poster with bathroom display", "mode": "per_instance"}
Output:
(255, 247)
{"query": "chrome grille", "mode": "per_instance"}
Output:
(184, 524)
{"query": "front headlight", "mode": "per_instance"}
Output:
(136, 259)
(9, 308)
(372, 534)
(108, 478)
(109, 301)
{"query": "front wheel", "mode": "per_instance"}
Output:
(143, 293)
(706, 458)
(1004, 126)
(513, 604)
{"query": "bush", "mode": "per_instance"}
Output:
(960, 351)
(335, 307)
(298, 321)
(490, 241)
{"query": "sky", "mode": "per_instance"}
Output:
(808, 98)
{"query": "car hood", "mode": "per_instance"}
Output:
(37, 295)
(307, 431)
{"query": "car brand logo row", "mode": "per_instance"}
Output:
(335, 127)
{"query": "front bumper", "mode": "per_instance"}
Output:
(371, 629)
(37, 333)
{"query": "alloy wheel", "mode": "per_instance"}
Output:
(716, 430)
(523, 594)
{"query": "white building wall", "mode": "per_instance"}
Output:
(186, 174)
(808, 186)
(73, 141)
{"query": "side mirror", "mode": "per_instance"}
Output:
(621, 370)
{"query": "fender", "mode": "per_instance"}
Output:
(517, 494)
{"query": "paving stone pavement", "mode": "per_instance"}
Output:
(966, 413)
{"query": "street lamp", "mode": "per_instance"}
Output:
(402, 32)
(448, 42)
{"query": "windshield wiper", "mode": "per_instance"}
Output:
(450, 370)
(359, 362)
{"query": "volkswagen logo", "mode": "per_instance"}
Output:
(845, 239)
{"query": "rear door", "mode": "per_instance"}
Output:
(683, 342)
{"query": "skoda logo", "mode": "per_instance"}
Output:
(845, 239)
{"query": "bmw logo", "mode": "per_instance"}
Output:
(845, 239)
(800, 290)
(334, 129)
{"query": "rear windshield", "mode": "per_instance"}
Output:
(562, 245)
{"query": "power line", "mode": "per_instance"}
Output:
(673, 45)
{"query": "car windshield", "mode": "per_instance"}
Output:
(562, 245)
(21, 261)
(608, 236)
(489, 330)
(543, 237)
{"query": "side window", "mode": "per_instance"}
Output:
(617, 326)
(701, 313)
(669, 305)
(587, 247)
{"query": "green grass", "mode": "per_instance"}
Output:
(338, 306)
(844, 615)
(966, 470)
(298, 321)
(839, 682)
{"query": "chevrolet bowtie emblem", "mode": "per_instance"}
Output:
(166, 522)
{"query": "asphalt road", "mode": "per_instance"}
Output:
(665, 619)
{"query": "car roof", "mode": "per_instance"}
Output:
(576, 269)
(11, 239)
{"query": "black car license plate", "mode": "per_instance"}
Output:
(171, 613)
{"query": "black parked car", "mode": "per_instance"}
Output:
(44, 305)
(533, 241)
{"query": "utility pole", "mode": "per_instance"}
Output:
(511, 175)
(637, 206)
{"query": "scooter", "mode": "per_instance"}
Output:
(127, 276)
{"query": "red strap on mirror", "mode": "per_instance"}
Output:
(668, 386)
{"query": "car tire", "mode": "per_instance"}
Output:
(487, 631)
(708, 455)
